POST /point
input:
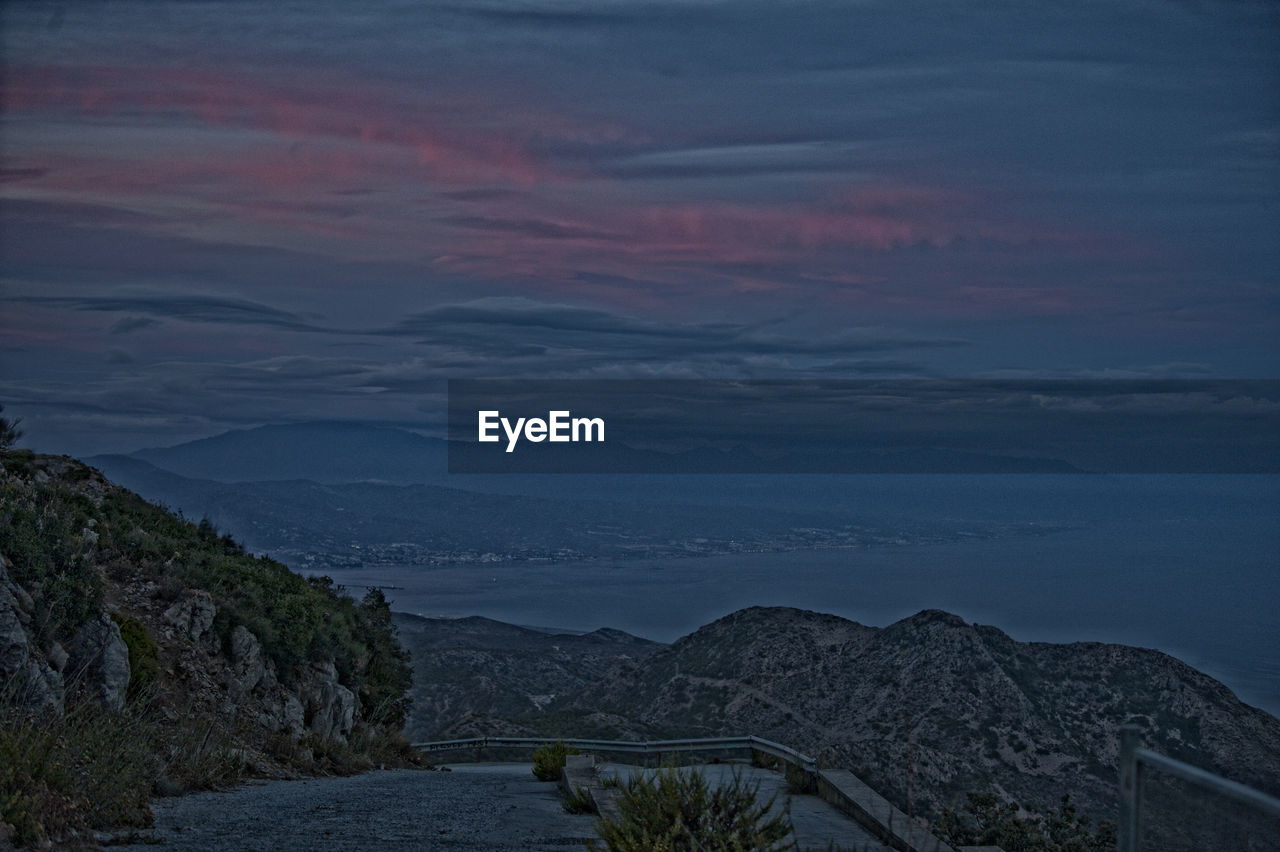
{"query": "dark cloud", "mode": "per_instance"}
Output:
(16, 174)
(202, 309)
(530, 227)
(538, 188)
(124, 325)
(745, 159)
(505, 332)
(483, 195)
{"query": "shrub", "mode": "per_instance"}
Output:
(144, 655)
(199, 752)
(389, 674)
(985, 819)
(676, 810)
(88, 768)
(578, 802)
(549, 759)
(40, 534)
(9, 431)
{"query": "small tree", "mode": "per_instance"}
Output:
(389, 674)
(9, 431)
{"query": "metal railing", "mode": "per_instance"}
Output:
(1134, 760)
(655, 747)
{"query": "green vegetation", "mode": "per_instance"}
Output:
(678, 810)
(549, 759)
(389, 673)
(85, 769)
(90, 768)
(985, 819)
(144, 655)
(66, 536)
(9, 431)
(578, 802)
(41, 534)
(56, 539)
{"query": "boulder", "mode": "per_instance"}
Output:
(26, 677)
(98, 661)
(247, 665)
(280, 710)
(57, 656)
(330, 708)
(192, 615)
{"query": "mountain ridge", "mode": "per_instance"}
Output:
(930, 707)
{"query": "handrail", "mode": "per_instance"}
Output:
(1132, 760)
(782, 752)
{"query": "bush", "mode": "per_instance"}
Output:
(985, 819)
(549, 760)
(144, 655)
(389, 674)
(677, 810)
(89, 768)
(578, 802)
(9, 431)
(40, 534)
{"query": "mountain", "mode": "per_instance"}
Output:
(319, 451)
(931, 707)
(334, 452)
(466, 668)
(320, 525)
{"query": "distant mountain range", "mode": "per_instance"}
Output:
(322, 495)
(325, 452)
(923, 710)
(334, 452)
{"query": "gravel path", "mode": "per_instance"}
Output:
(498, 807)
(489, 806)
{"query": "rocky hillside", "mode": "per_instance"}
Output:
(931, 707)
(110, 605)
(468, 670)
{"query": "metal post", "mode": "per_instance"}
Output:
(1130, 836)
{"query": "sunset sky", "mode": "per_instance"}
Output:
(222, 214)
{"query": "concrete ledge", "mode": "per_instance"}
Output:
(876, 814)
(579, 774)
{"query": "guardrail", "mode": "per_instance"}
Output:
(841, 788)
(656, 747)
(1133, 761)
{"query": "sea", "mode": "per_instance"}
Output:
(1186, 565)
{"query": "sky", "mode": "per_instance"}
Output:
(215, 215)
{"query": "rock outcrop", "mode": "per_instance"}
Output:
(329, 707)
(202, 665)
(28, 677)
(98, 661)
(192, 616)
(254, 684)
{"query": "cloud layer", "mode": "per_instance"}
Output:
(220, 213)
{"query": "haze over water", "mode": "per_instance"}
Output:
(1185, 565)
